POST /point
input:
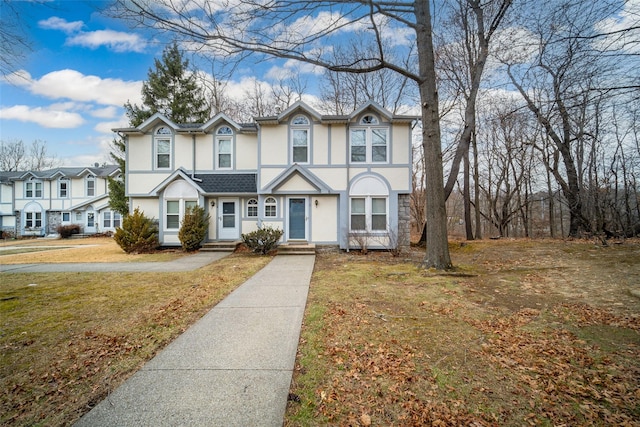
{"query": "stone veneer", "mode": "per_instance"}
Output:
(404, 222)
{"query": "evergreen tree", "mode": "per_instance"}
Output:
(172, 90)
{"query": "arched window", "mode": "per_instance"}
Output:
(368, 142)
(300, 130)
(368, 205)
(252, 208)
(369, 120)
(270, 207)
(224, 148)
(162, 148)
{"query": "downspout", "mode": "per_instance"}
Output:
(193, 157)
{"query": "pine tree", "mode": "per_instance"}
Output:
(172, 90)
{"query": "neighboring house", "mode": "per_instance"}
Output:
(330, 180)
(35, 203)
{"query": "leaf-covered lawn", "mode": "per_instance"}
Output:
(522, 333)
(69, 339)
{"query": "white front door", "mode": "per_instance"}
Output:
(90, 225)
(228, 219)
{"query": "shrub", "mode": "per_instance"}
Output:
(138, 234)
(193, 228)
(263, 239)
(66, 231)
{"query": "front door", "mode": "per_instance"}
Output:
(90, 226)
(297, 219)
(228, 219)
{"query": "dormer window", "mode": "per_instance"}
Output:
(300, 127)
(162, 148)
(224, 148)
(368, 142)
(91, 186)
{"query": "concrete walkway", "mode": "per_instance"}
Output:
(186, 263)
(232, 368)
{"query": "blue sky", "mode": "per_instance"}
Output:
(70, 88)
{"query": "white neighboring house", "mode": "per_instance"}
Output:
(35, 203)
(337, 180)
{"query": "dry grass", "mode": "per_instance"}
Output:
(68, 339)
(522, 333)
(92, 249)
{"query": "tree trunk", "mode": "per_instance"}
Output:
(437, 251)
(467, 199)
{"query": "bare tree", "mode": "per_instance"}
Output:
(293, 29)
(15, 156)
(564, 83)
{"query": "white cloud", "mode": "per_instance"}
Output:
(73, 85)
(44, 116)
(55, 23)
(105, 113)
(105, 127)
(622, 31)
(115, 40)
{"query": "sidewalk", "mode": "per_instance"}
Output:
(232, 368)
(186, 263)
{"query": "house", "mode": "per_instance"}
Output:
(35, 203)
(340, 180)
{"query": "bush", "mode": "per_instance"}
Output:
(66, 231)
(138, 234)
(193, 228)
(263, 239)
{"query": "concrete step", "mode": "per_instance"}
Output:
(224, 246)
(297, 248)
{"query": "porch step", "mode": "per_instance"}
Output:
(229, 246)
(302, 248)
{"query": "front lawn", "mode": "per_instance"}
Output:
(521, 333)
(69, 339)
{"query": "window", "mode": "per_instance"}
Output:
(224, 148)
(66, 217)
(252, 208)
(111, 219)
(369, 214)
(175, 212)
(270, 207)
(91, 186)
(300, 139)
(163, 148)
(78, 216)
(33, 190)
(33, 220)
(369, 144)
(63, 188)
(358, 214)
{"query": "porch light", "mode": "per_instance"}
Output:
(316, 203)
(213, 203)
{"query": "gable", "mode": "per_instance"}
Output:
(296, 183)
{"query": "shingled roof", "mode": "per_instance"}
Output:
(237, 183)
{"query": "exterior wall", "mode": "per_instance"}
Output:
(274, 145)
(139, 153)
(246, 152)
(404, 221)
(324, 219)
